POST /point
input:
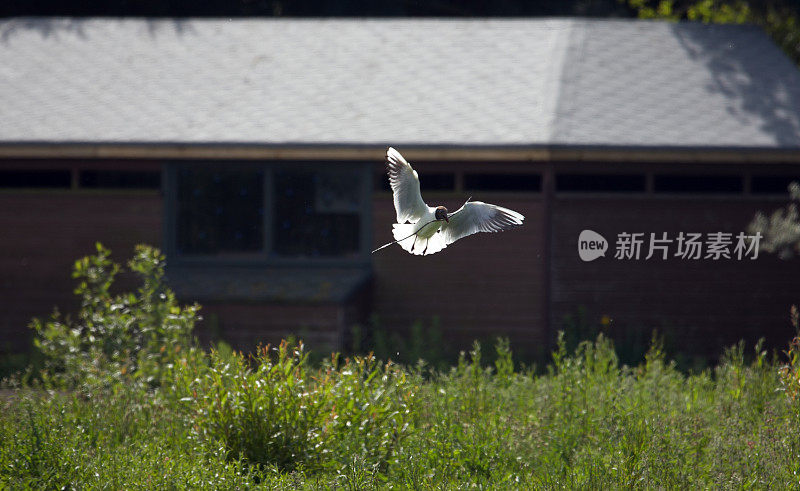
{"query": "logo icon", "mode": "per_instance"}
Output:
(591, 245)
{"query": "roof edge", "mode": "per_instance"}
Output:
(375, 151)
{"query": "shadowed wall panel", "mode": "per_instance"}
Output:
(246, 326)
(43, 233)
(701, 305)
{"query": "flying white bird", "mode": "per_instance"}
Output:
(422, 229)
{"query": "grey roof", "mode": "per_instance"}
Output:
(401, 82)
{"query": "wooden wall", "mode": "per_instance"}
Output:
(43, 233)
(521, 283)
(245, 326)
(700, 305)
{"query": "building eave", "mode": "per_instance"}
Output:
(430, 152)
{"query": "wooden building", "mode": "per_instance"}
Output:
(251, 151)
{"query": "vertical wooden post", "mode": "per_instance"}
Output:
(548, 192)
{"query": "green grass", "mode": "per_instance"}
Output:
(276, 422)
(123, 399)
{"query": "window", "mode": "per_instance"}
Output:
(600, 183)
(772, 184)
(31, 179)
(316, 213)
(113, 179)
(220, 210)
(427, 182)
(270, 211)
(712, 184)
(437, 182)
(503, 182)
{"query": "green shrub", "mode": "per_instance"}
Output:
(276, 410)
(369, 409)
(132, 336)
(270, 414)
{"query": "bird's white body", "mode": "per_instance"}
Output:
(424, 230)
(433, 225)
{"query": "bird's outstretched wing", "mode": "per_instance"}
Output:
(405, 185)
(477, 216)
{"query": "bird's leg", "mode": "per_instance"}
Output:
(415, 243)
(426, 247)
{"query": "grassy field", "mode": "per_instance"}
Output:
(125, 400)
(356, 424)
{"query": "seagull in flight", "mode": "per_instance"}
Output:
(423, 229)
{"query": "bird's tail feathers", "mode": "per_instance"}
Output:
(420, 246)
(404, 234)
(435, 244)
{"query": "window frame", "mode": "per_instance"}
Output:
(746, 171)
(264, 257)
(75, 167)
(698, 177)
(599, 191)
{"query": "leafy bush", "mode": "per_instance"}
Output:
(277, 411)
(369, 409)
(270, 414)
(133, 336)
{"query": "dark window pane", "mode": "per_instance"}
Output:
(381, 183)
(669, 183)
(772, 184)
(427, 182)
(35, 179)
(437, 182)
(220, 210)
(113, 179)
(317, 214)
(502, 182)
(601, 183)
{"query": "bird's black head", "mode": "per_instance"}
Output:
(441, 213)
